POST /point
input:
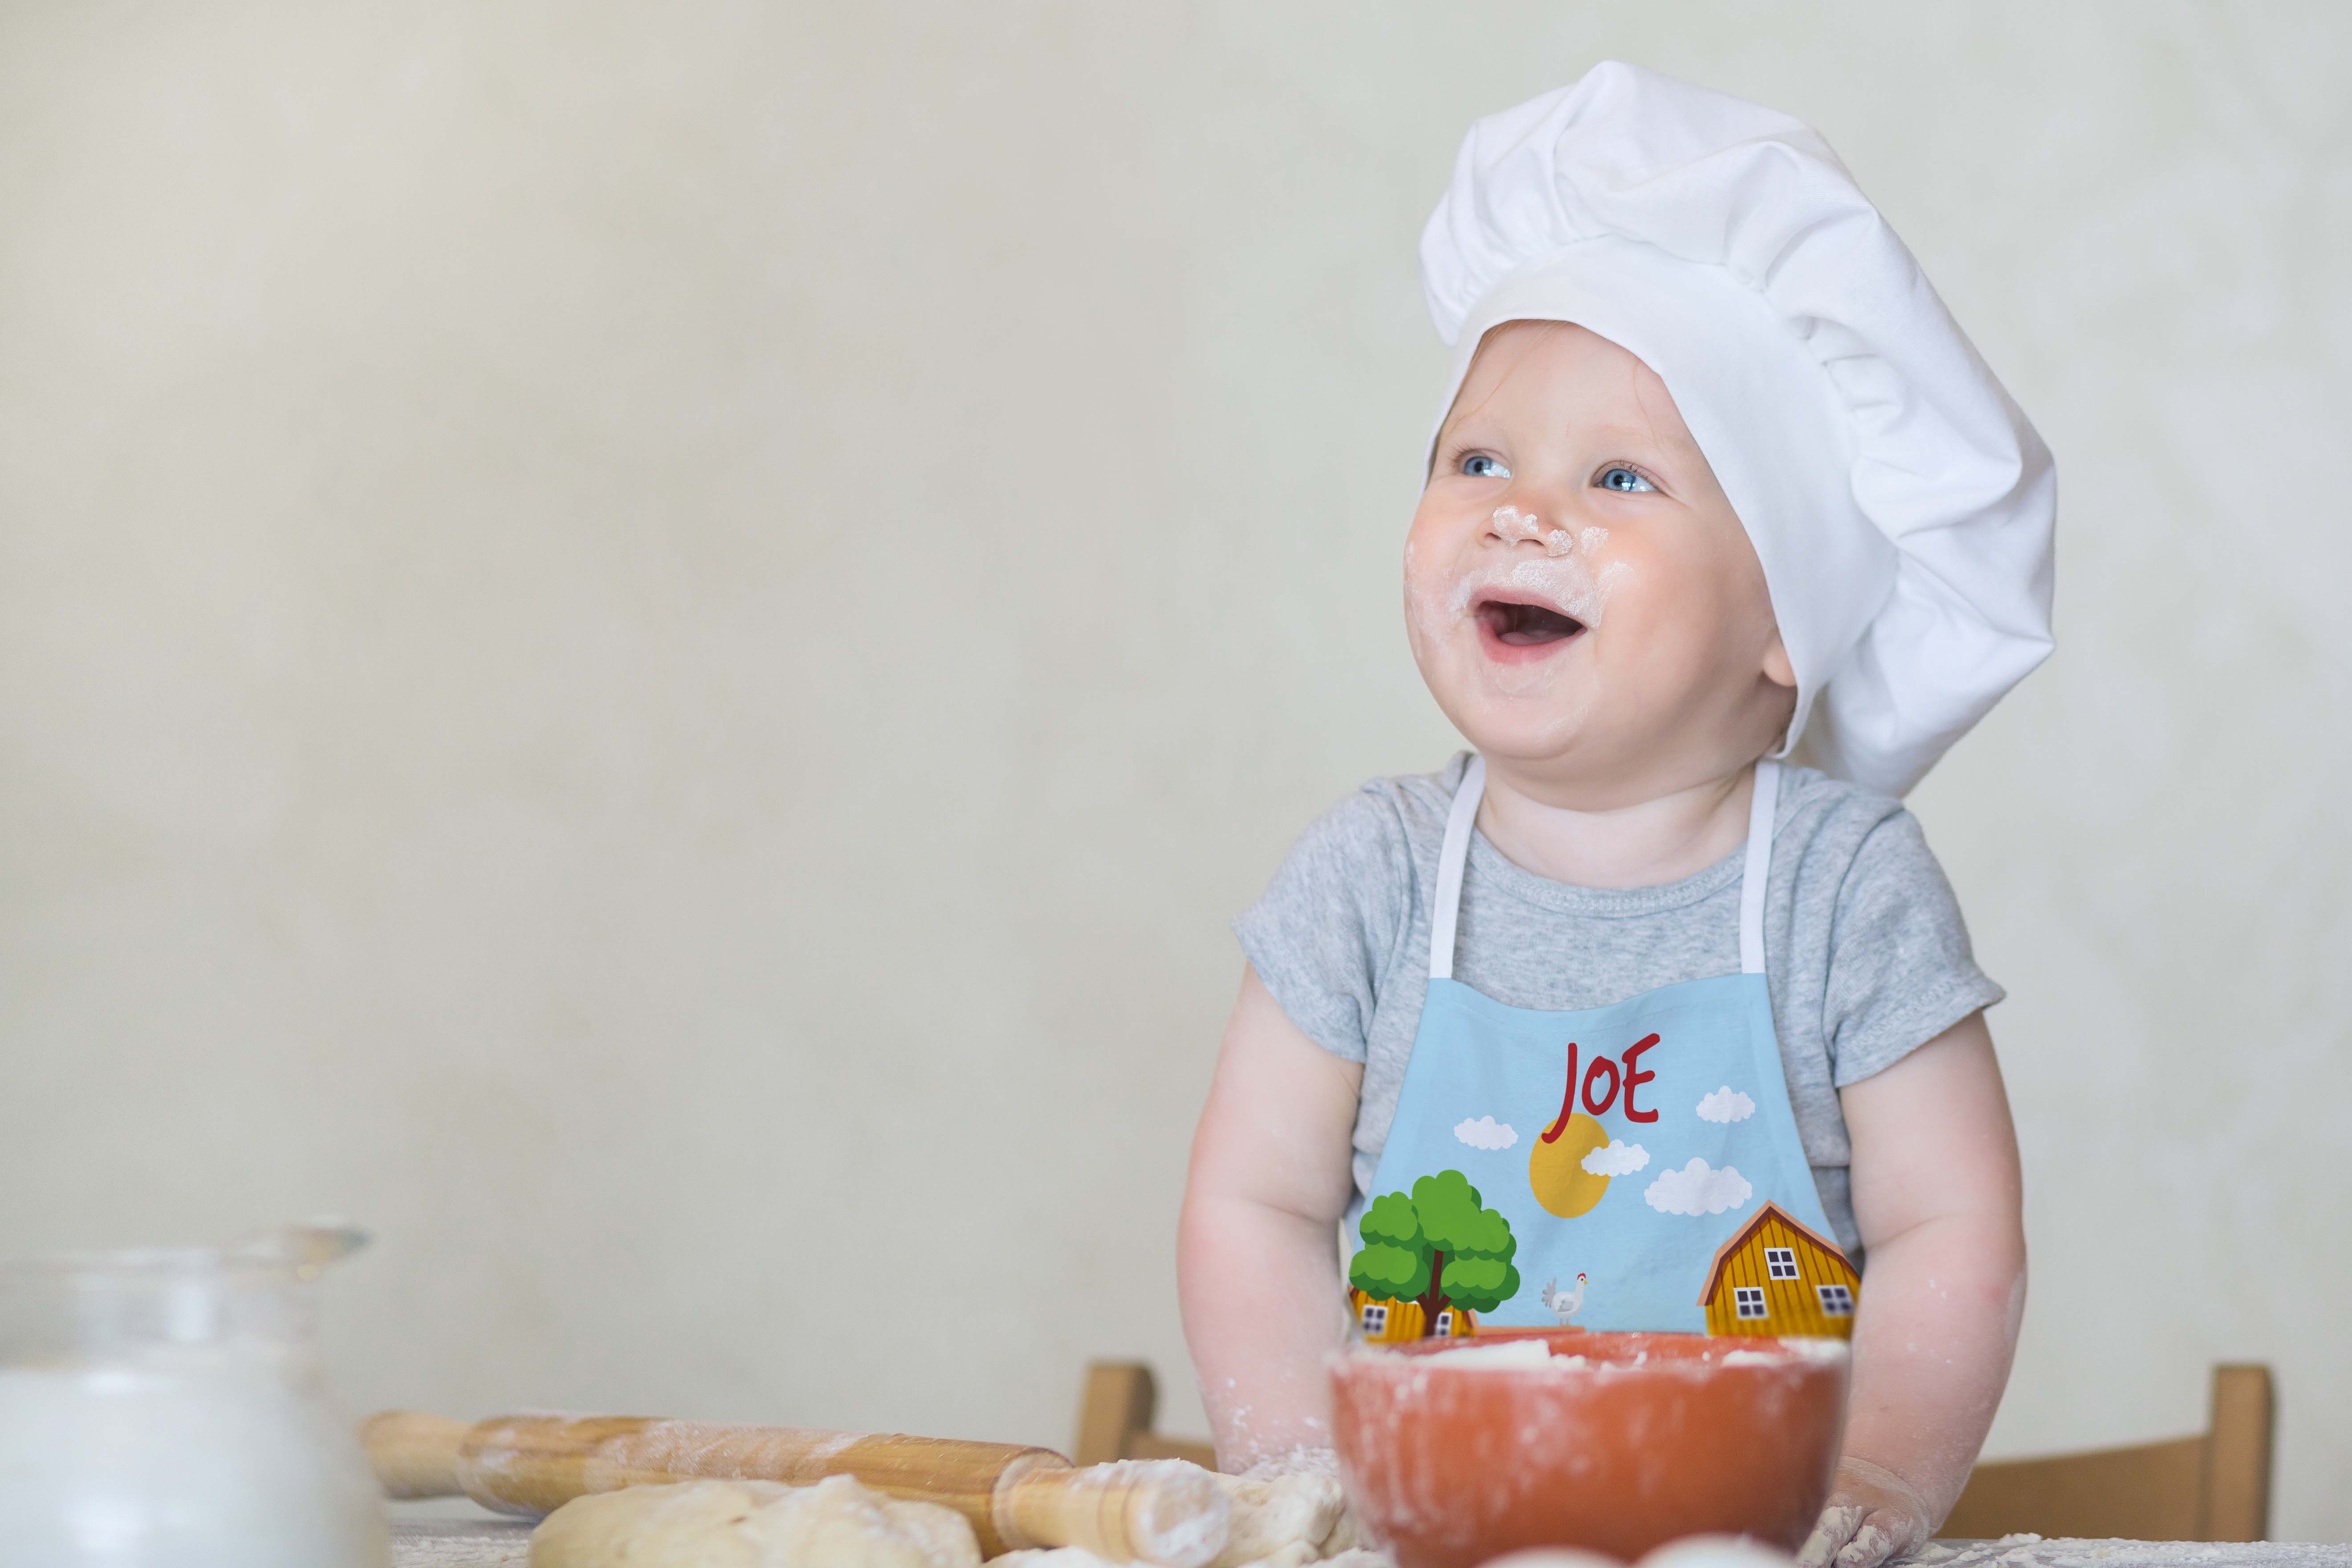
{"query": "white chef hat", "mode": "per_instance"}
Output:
(1901, 505)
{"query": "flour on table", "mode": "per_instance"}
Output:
(460, 1543)
(2033, 1552)
(835, 1523)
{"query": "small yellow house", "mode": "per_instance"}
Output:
(1386, 1320)
(1778, 1277)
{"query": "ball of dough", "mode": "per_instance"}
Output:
(1049, 1557)
(835, 1523)
(1553, 1557)
(1716, 1552)
(1282, 1521)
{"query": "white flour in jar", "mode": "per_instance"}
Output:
(198, 1456)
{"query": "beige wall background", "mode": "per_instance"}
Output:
(646, 645)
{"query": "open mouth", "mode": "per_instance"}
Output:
(1521, 626)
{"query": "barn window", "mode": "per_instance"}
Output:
(1446, 1322)
(1376, 1317)
(1747, 1300)
(1837, 1301)
(1781, 1262)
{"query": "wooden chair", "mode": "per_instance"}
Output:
(2214, 1487)
(1115, 1419)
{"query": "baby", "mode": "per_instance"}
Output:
(1619, 998)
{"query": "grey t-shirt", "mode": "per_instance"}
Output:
(1865, 954)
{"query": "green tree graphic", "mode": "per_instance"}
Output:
(1438, 1247)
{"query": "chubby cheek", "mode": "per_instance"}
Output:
(1669, 626)
(1429, 615)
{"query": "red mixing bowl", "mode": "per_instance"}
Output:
(1453, 1453)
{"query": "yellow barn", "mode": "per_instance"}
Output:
(1778, 1277)
(1387, 1320)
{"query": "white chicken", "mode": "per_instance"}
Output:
(1563, 1304)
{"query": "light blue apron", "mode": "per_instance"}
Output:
(1644, 1146)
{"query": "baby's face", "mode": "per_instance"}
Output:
(1580, 596)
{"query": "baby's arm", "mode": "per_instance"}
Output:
(1937, 1195)
(1258, 1260)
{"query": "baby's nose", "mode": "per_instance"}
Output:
(1515, 526)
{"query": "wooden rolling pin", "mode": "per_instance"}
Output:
(1151, 1510)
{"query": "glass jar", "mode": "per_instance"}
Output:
(169, 1406)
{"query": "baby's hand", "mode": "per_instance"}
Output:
(1873, 1514)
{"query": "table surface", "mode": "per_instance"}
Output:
(461, 1543)
(506, 1543)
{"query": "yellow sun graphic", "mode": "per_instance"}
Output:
(1555, 1170)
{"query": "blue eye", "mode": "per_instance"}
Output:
(1618, 477)
(1479, 465)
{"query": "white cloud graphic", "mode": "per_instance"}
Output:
(1696, 1189)
(1726, 1104)
(1486, 1133)
(1619, 1159)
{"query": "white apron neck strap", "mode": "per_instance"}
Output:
(1758, 869)
(1445, 904)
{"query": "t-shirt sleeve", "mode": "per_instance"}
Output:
(1901, 971)
(1322, 935)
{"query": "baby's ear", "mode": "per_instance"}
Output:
(1776, 668)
